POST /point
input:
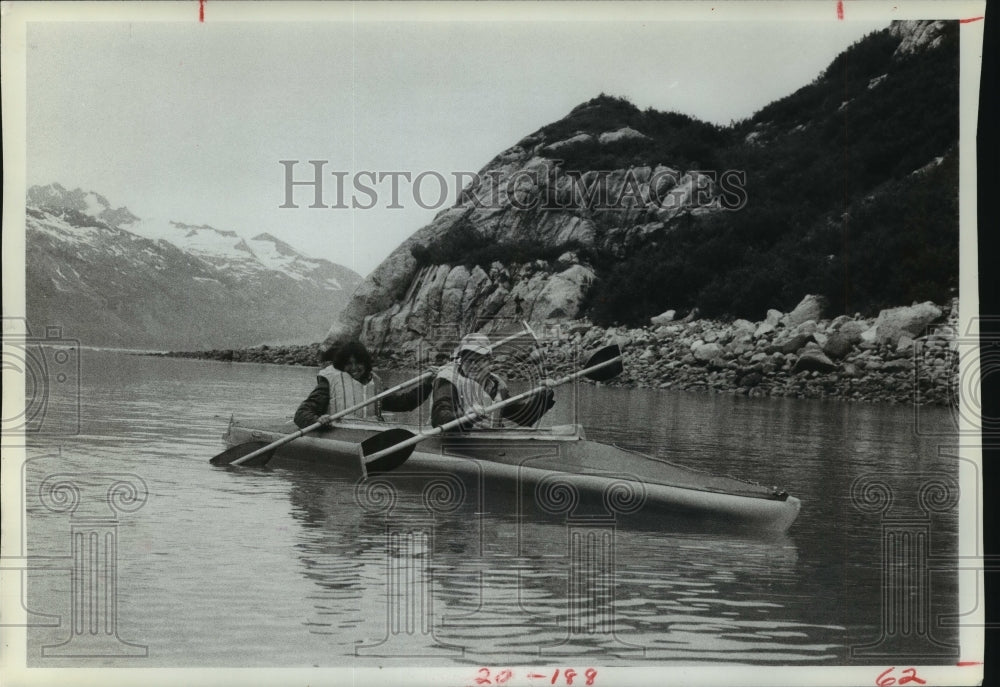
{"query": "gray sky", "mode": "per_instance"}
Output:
(188, 121)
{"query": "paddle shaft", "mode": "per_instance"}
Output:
(347, 411)
(473, 414)
(358, 406)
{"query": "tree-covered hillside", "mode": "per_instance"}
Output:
(852, 193)
(850, 187)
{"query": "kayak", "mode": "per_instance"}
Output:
(546, 471)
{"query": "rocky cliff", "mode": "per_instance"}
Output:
(523, 197)
(618, 214)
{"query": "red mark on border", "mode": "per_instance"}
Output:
(840, 9)
(969, 20)
(201, 11)
(962, 664)
(887, 677)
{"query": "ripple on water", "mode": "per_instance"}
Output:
(283, 564)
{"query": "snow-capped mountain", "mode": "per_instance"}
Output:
(229, 251)
(87, 202)
(111, 278)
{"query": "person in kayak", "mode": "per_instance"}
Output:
(468, 383)
(345, 380)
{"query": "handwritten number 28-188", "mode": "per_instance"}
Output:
(506, 674)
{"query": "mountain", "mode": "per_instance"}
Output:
(846, 188)
(110, 278)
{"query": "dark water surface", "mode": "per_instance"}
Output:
(281, 567)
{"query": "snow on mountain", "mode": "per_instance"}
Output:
(222, 248)
(111, 278)
(55, 196)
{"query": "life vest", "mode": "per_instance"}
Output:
(345, 391)
(471, 394)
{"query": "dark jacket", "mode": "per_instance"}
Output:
(447, 407)
(318, 401)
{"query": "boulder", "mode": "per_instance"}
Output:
(791, 344)
(562, 293)
(902, 365)
(837, 345)
(763, 329)
(893, 323)
(809, 308)
(666, 331)
(812, 359)
(774, 317)
(705, 352)
(663, 318)
(852, 330)
(807, 327)
(751, 379)
(839, 321)
(738, 347)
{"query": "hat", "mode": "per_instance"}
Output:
(474, 343)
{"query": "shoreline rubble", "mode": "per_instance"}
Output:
(908, 354)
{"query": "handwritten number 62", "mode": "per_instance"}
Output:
(909, 675)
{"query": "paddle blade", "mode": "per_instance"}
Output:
(386, 440)
(240, 450)
(602, 356)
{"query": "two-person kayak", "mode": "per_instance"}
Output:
(549, 470)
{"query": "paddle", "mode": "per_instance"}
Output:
(258, 453)
(389, 450)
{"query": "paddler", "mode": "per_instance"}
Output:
(468, 383)
(345, 380)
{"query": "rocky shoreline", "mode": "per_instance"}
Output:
(905, 355)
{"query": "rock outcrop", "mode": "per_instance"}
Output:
(445, 301)
(917, 35)
(522, 197)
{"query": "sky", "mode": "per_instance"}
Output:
(190, 121)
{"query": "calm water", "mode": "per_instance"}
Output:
(226, 567)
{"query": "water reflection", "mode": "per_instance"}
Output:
(290, 568)
(495, 585)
